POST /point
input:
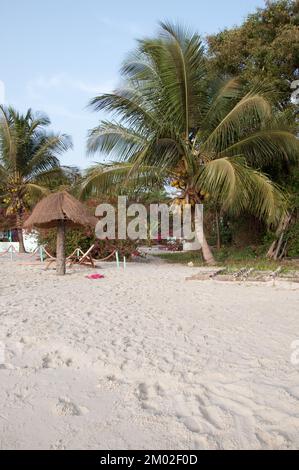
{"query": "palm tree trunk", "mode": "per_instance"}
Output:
(274, 249)
(60, 248)
(19, 223)
(206, 250)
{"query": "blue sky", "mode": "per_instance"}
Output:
(58, 54)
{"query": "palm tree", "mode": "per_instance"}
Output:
(28, 161)
(209, 137)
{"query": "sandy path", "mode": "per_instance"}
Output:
(145, 359)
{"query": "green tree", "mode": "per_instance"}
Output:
(206, 137)
(264, 47)
(28, 161)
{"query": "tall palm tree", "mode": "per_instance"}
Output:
(208, 136)
(28, 160)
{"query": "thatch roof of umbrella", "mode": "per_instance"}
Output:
(56, 207)
(59, 210)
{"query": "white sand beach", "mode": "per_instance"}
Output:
(143, 359)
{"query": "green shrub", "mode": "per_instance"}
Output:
(83, 238)
(293, 240)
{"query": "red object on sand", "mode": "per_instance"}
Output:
(95, 276)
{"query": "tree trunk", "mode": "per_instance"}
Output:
(19, 222)
(271, 250)
(206, 250)
(60, 248)
(274, 250)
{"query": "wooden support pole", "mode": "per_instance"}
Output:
(60, 248)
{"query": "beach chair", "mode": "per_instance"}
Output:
(73, 258)
(80, 258)
(50, 259)
(9, 250)
(86, 258)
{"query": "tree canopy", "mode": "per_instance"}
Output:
(264, 47)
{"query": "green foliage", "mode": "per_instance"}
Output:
(293, 240)
(236, 255)
(74, 238)
(292, 185)
(29, 161)
(225, 256)
(233, 259)
(175, 123)
(268, 238)
(264, 47)
(182, 257)
(82, 238)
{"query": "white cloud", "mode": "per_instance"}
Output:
(63, 81)
(64, 112)
(55, 95)
(2, 92)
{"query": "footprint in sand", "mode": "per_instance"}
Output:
(54, 360)
(65, 407)
(58, 445)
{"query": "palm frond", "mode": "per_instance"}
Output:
(119, 178)
(265, 146)
(114, 138)
(127, 104)
(249, 112)
(35, 192)
(211, 133)
(45, 151)
(224, 94)
(182, 74)
(237, 187)
(7, 137)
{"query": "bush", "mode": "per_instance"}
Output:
(236, 254)
(293, 240)
(83, 238)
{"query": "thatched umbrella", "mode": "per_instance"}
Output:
(59, 210)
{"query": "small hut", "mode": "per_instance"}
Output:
(60, 210)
